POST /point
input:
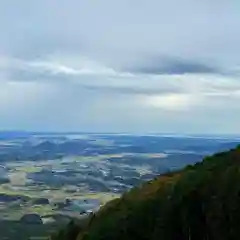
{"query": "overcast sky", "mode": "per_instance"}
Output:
(120, 66)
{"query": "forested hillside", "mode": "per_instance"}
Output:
(199, 202)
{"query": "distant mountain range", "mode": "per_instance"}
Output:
(27, 146)
(11, 134)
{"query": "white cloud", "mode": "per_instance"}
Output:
(171, 102)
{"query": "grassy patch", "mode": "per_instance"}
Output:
(29, 169)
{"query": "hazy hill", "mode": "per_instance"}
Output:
(199, 202)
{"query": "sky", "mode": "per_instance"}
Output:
(120, 66)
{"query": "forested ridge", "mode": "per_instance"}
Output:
(198, 202)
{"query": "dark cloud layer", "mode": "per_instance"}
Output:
(171, 65)
(133, 90)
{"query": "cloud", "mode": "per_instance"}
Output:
(171, 102)
(170, 65)
(151, 66)
(87, 74)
